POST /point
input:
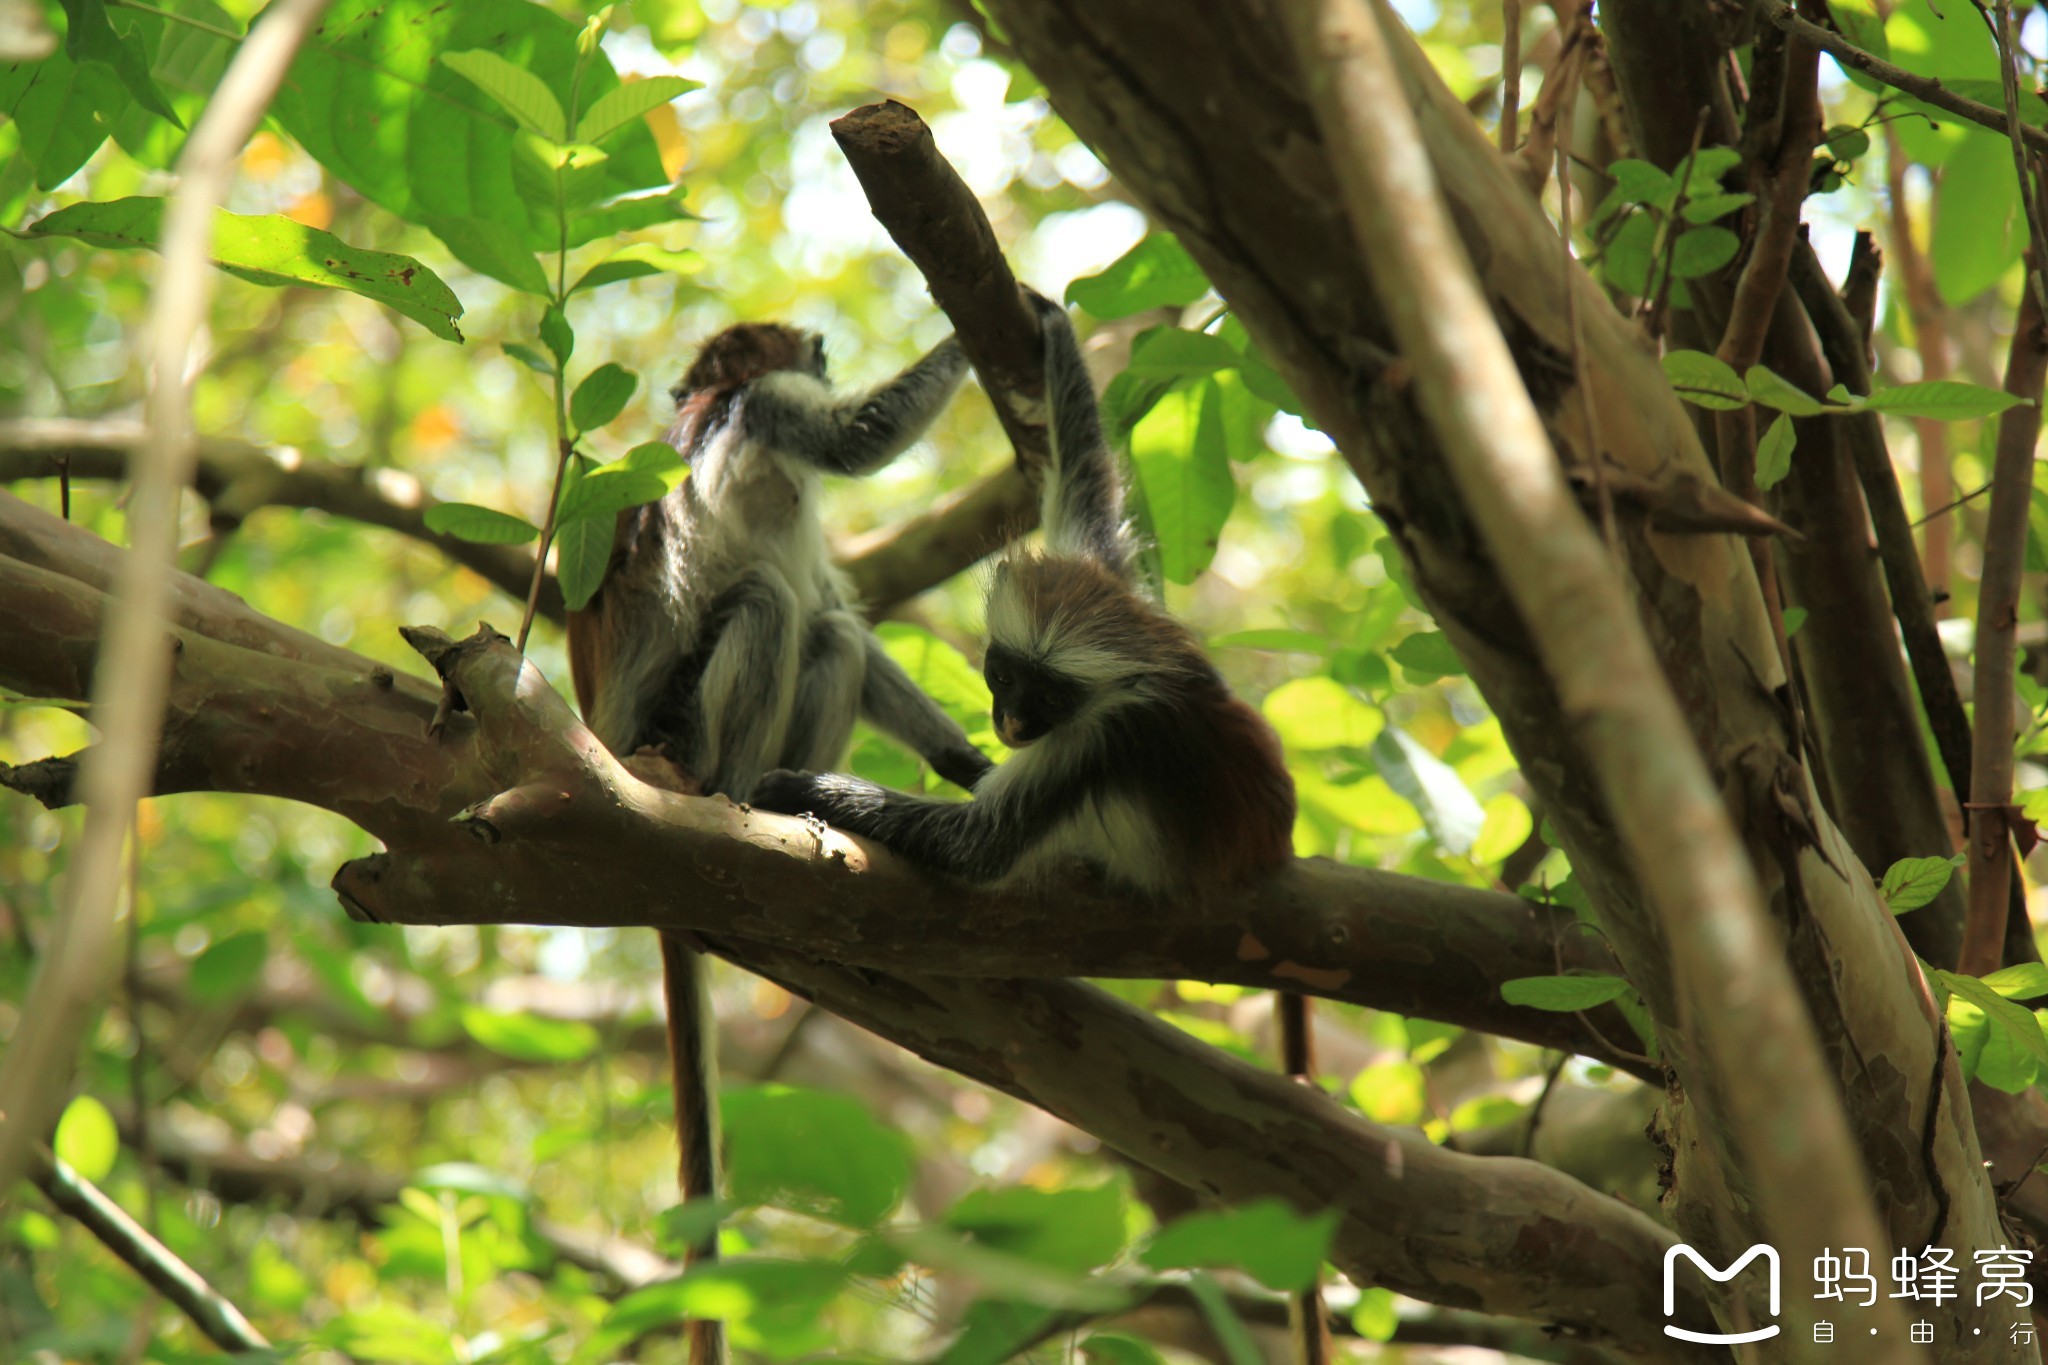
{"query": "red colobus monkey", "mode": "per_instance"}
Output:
(1132, 754)
(724, 635)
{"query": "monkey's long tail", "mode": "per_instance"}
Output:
(1307, 1323)
(693, 1065)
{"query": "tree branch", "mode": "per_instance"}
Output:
(218, 1319)
(1927, 89)
(337, 732)
(239, 478)
(1998, 599)
(1758, 1055)
(936, 220)
(1518, 1237)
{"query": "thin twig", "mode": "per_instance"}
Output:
(1998, 594)
(1510, 72)
(218, 1320)
(1926, 89)
(133, 670)
(2008, 39)
(1979, 491)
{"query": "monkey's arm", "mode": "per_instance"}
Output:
(795, 414)
(978, 840)
(898, 706)
(1083, 501)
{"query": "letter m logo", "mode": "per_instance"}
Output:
(1770, 1255)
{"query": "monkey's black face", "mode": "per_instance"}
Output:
(1029, 699)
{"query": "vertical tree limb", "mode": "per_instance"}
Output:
(1998, 596)
(1930, 329)
(931, 214)
(133, 670)
(1736, 992)
(1510, 72)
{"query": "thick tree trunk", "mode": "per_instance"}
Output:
(1202, 118)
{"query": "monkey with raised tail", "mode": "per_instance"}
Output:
(1131, 753)
(724, 636)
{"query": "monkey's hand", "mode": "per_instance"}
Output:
(835, 798)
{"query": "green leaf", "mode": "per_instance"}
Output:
(2022, 981)
(1448, 809)
(742, 1288)
(1945, 400)
(1859, 22)
(1114, 1348)
(1846, 142)
(89, 37)
(62, 109)
(228, 968)
(658, 458)
(1429, 654)
(635, 261)
(1639, 182)
(606, 491)
(1795, 617)
(583, 554)
(495, 248)
(1182, 459)
(1265, 1239)
(1774, 452)
(86, 1139)
(556, 334)
(1705, 381)
(630, 101)
(483, 525)
(940, 671)
(1071, 1229)
(814, 1152)
(1155, 273)
(1978, 228)
(529, 357)
(369, 101)
(2016, 1021)
(1563, 994)
(1316, 714)
(1702, 251)
(1911, 883)
(529, 1037)
(519, 92)
(601, 396)
(1279, 641)
(273, 250)
(1625, 263)
(466, 1177)
(1775, 391)
(1176, 352)
(1700, 212)
(1704, 169)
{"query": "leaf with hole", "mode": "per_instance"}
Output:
(272, 250)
